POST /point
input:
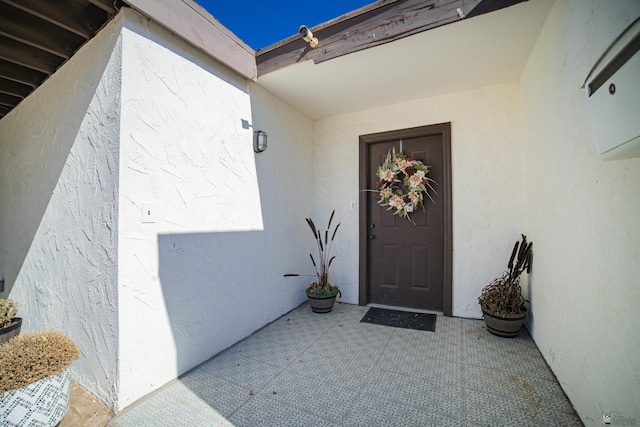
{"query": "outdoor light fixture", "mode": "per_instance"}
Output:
(307, 36)
(259, 141)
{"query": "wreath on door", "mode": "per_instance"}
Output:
(402, 184)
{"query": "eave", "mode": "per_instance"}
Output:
(37, 37)
(378, 23)
(438, 54)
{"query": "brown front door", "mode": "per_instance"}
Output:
(407, 264)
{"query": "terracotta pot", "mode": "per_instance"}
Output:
(321, 305)
(10, 331)
(43, 403)
(508, 326)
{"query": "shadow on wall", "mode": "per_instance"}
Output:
(221, 287)
(37, 138)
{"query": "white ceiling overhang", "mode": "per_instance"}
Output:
(484, 50)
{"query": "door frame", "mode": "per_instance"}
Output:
(444, 193)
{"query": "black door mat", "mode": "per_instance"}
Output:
(400, 319)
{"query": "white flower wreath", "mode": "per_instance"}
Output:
(402, 184)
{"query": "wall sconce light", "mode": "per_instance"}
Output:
(259, 141)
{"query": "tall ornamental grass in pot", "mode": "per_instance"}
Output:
(322, 293)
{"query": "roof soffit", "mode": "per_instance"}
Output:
(473, 52)
(38, 37)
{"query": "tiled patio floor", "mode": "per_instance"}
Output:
(309, 369)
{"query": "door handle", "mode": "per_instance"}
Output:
(372, 236)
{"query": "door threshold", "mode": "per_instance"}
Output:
(414, 310)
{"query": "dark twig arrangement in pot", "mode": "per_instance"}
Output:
(323, 288)
(502, 299)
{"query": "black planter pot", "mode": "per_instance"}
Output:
(10, 331)
(321, 305)
(507, 327)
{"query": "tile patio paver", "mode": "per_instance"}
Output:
(308, 369)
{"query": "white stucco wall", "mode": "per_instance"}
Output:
(58, 210)
(210, 270)
(582, 215)
(487, 182)
(138, 116)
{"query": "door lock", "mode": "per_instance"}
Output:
(372, 236)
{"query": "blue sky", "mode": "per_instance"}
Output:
(262, 23)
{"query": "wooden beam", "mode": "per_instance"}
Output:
(70, 15)
(37, 37)
(374, 25)
(27, 56)
(106, 5)
(33, 31)
(346, 16)
(195, 25)
(21, 74)
(4, 110)
(9, 100)
(13, 88)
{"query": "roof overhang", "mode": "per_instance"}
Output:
(449, 54)
(387, 52)
(37, 37)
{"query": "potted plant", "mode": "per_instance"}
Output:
(34, 378)
(9, 324)
(502, 303)
(322, 294)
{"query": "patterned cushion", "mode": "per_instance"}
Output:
(41, 404)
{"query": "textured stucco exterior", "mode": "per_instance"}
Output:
(486, 174)
(58, 216)
(210, 270)
(582, 215)
(139, 116)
